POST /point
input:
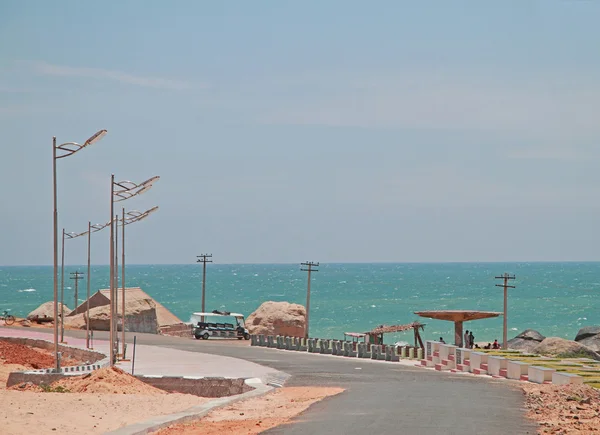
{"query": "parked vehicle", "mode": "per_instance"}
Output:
(215, 325)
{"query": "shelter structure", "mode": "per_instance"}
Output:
(162, 316)
(375, 336)
(458, 317)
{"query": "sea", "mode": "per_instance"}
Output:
(556, 299)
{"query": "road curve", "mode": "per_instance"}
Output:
(380, 397)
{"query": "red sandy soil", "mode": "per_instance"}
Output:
(563, 409)
(29, 357)
(92, 404)
(253, 416)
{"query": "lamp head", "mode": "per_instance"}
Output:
(95, 138)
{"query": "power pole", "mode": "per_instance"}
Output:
(505, 277)
(76, 276)
(204, 258)
(310, 267)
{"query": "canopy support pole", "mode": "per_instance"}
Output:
(458, 333)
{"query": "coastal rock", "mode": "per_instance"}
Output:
(592, 342)
(526, 340)
(278, 318)
(587, 332)
(45, 312)
(556, 346)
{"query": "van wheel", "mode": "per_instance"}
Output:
(197, 337)
(205, 336)
(246, 336)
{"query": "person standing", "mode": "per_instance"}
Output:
(466, 342)
(471, 340)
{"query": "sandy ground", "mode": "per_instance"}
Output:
(564, 409)
(96, 403)
(255, 415)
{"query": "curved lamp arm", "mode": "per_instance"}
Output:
(70, 148)
(127, 189)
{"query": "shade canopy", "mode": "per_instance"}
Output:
(458, 315)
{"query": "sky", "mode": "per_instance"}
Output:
(339, 131)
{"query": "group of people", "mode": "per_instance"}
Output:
(469, 342)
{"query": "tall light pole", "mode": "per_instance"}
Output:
(65, 236)
(310, 267)
(128, 218)
(120, 191)
(204, 258)
(59, 152)
(91, 229)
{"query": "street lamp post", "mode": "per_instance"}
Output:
(58, 152)
(122, 191)
(128, 218)
(62, 282)
(91, 229)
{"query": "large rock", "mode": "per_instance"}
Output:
(140, 316)
(526, 340)
(559, 347)
(278, 318)
(45, 312)
(587, 332)
(590, 337)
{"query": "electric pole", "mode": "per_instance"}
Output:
(76, 276)
(204, 258)
(505, 277)
(310, 267)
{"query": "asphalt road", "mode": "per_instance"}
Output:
(380, 397)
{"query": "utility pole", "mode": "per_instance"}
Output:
(310, 267)
(204, 258)
(505, 277)
(76, 276)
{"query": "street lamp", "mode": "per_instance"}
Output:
(120, 191)
(128, 218)
(66, 236)
(59, 152)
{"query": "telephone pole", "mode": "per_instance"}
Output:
(76, 276)
(309, 267)
(505, 277)
(204, 258)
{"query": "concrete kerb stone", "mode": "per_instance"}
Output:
(194, 413)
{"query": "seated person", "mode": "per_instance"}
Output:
(488, 346)
(442, 340)
(496, 345)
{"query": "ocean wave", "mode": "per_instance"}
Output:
(27, 290)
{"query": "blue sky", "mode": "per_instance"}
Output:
(290, 131)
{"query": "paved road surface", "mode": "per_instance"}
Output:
(380, 397)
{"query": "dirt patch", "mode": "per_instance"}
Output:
(563, 409)
(29, 357)
(109, 380)
(255, 415)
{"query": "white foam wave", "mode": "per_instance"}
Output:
(27, 290)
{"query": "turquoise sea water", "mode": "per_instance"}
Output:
(554, 298)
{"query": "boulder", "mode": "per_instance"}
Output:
(592, 342)
(560, 347)
(278, 318)
(45, 312)
(587, 332)
(526, 340)
(140, 316)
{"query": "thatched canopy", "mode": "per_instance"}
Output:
(397, 328)
(458, 315)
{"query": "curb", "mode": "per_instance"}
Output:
(194, 413)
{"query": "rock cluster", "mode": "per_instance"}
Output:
(278, 318)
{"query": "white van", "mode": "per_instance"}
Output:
(215, 325)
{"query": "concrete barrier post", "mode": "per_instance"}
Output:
(311, 344)
(411, 353)
(270, 341)
(317, 346)
(516, 369)
(419, 354)
(261, 340)
(253, 340)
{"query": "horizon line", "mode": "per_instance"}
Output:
(324, 263)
